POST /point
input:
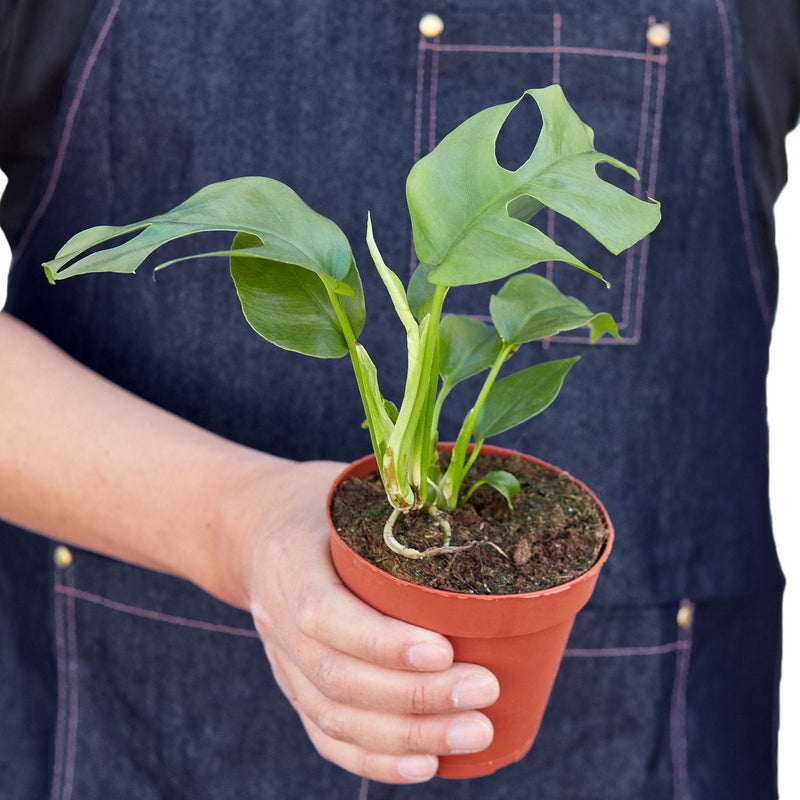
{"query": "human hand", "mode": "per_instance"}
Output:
(376, 696)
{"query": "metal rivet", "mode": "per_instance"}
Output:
(658, 35)
(431, 25)
(685, 615)
(62, 556)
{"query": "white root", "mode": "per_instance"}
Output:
(410, 552)
(391, 541)
(442, 522)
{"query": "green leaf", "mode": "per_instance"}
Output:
(468, 346)
(395, 288)
(287, 230)
(603, 323)
(420, 291)
(520, 396)
(290, 305)
(468, 213)
(501, 481)
(391, 410)
(381, 414)
(530, 307)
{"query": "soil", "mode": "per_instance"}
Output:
(554, 534)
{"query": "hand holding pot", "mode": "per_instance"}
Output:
(379, 697)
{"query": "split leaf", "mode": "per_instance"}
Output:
(465, 208)
(287, 230)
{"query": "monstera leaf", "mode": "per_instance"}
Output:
(470, 215)
(286, 259)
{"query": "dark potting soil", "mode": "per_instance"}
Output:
(554, 533)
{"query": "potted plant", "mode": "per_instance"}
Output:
(299, 288)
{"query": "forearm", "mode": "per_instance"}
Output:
(85, 462)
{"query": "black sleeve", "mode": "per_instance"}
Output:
(771, 31)
(37, 42)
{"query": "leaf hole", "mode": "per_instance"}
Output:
(519, 134)
(616, 177)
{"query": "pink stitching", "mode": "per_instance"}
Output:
(433, 99)
(432, 110)
(418, 100)
(556, 48)
(640, 157)
(58, 759)
(154, 615)
(551, 217)
(543, 49)
(648, 77)
(418, 96)
(656, 143)
(72, 737)
(67, 714)
(679, 742)
(738, 169)
(651, 191)
(655, 148)
(613, 652)
(67, 132)
(363, 792)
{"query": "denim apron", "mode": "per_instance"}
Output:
(121, 683)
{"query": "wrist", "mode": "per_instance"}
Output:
(243, 499)
(274, 507)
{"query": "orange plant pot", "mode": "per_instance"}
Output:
(520, 637)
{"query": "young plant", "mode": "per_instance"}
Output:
(299, 287)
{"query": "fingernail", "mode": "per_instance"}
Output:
(469, 736)
(429, 656)
(417, 768)
(476, 692)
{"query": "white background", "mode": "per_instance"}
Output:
(784, 412)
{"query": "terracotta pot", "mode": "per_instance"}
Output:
(520, 638)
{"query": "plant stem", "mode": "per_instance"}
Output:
(437, 407)
(413, 441)
(459, 465)
(373, 406)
